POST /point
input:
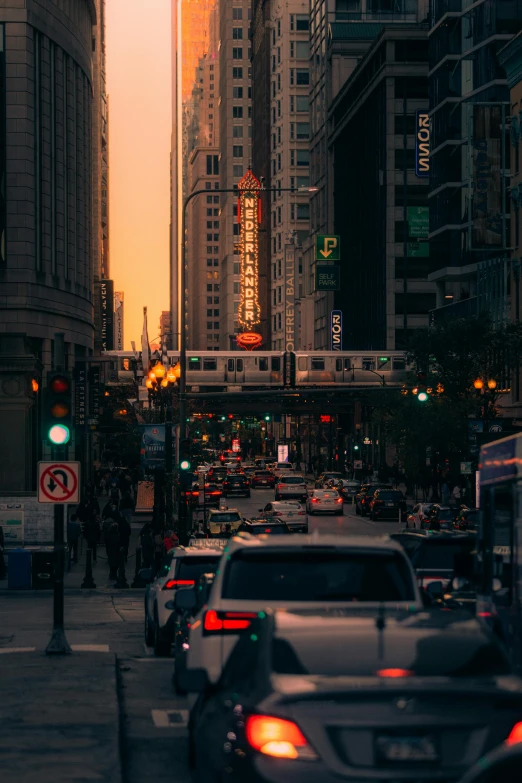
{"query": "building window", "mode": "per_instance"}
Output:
(303, 157)
(209, 199)
(216, 250)
(237, 131)
(209, 224)
(278, 81)
(216, 325)
(237, 151)
(209, 261)
(292, 77)
(279, 28)
(236, 268)
(303, 211)
(216, 199)
(279, 215)
(302, 22)
(237, 73)
(279, 321)
(279, 161)
(209, 326)
(236, 229)
(237, 14)
(209, 237)
(303, 130)
(237, 53)
(302, 76)
(237, 33)
(279, 135)
(278, 108)
(236, 288)
(237, 112)
(209, 300)
(216, 287)
(216, 223)
(302, 103)
(209, 313)
(279, 294)
(237, 92)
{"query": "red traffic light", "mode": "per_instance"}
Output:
(59, 384)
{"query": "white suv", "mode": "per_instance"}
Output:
(290, 485)
(296, 572)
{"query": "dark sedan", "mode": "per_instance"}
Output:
(388, 504)
(436, 557)
(236, 484)
(348, 489)
(263, 478)
(329, 695)
(364, 496)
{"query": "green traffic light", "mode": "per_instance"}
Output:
(59, 434)
(356, 448)
(422, 397)
(185, 464)
(267, 418)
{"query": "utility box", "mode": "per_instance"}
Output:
(19, 569)
(42, 568)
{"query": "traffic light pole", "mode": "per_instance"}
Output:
(58, 644)
(168, 466)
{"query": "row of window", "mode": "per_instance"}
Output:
(298, 104)
(369, 363)
(237, 93)
(237, 112)
(262, 363)
(215, 313)
(212, 325)
(299, 131)
(237, 53)
(237, 72)
(299, 77)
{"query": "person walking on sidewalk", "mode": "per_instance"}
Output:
(3, 569)
(74, 531)
(170, 541)
(91, 534)
(127, 507)
(113, 546)
(125, 531)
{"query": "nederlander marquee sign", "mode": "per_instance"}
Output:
(249, 215)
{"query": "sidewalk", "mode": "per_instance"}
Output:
(100, 569)
(59, 718)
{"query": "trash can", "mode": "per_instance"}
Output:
(19, 569)
(42, 568)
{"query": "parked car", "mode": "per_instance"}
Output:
(364, 496)
(416, 699)
(348, 489)
(263, 479)
(388, 504)
(436, 557)
(290, 512)
(325, 478)
(324, 501)
(236, 484)
(291, 485)
(180, 568)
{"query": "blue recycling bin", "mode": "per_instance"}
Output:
(19, 569)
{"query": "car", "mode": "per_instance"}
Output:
(331, 695)
(236, 484)
(291, 485)
(282, 467)
(502, 765)
(420, 514)
(440, 518)
(289, 511)
(184, 618)
(467, 519)
(212, 493)
(180, 568)
(223, 521)
(262, 479)
(324, 501)
(348, 489)
(217, 474)
(388, 504)
(249, 471)
(328, 476)
(293, 572)
(261, 527)
(364, 496)
(436, 557)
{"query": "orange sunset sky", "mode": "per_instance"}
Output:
(138, 84)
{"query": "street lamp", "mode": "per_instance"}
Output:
(160, 382)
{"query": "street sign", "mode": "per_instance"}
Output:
(327, 247)
(419, 222)
(327, 278)
(58, 482)
(465, 469)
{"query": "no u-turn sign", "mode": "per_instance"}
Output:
(58, 482)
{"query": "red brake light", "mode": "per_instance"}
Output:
(314, 500)
(339, 500)
(277, 737)
(301, 513)
(515, 735)
(172, 583)
(216, 622)
(394, 673)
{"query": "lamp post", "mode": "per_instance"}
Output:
(183, 317)
(483, 387)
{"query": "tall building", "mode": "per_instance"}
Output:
(281, 125)
(235, 145)
(469, 108)
(341, 31)
(46, 222)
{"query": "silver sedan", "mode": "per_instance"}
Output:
(289, 511)
(324, 501)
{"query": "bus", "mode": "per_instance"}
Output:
(499, 546)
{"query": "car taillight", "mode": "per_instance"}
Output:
(339, 500)
(221, 622)
(173, 583)
(280, 486)
(277, 737)
(278, 513)
(301, 513)
(314, 500)
(515, 735)
(394, 673)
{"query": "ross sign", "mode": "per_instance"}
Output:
(282, 452)
(422, 143)
(289, 298)
(12, 523)
(58, 482)
(327, 247)
(327, 278)
(465, 468)
(80, 389)
(249, 216)
(107, 314)
(118, 320)
(325, 418)
(336, 330)
(419, 222)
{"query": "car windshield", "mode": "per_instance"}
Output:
(316, 575)
(225, 518)
(426, 654)
(435, 553)
(193, 567)
(291, 480)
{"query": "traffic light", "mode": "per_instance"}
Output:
(267, 417)
(184, 454)
(57, 409)
(421, 391)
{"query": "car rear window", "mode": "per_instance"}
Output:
(224, 518)
(425, 654)
(317, 575)
(193, 567)
(291, 480)
(236, 479)
(383, 495)
(326, 494)
(263, 473)
(439, 554)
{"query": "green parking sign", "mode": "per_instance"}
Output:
(327, 278)
(327, 247)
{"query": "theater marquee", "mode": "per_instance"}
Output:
(249, 215)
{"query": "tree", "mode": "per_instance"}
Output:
(453, 355)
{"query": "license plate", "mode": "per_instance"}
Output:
(406, 749)
(390, 505)
(263, 482)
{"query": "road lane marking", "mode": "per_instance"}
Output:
(4, 650)
(103, 648)
(170, 719)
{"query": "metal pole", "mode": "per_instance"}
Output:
(168, 465)
(58, 644)
(405, 215)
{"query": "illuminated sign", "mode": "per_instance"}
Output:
(422, 143)
(289, 298)
(118, 320)
(336, 330)
(249, 340)
(249, 214)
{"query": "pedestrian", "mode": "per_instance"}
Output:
(159, 550)
(170, 541)
(91, 534)
(3, 569)
(456, 495)
(74, 531)
(147, 545)
(127, 507)
(111, 510)
(103, 486)
(113, 546)
(125, 531)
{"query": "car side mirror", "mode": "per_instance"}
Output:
(146, 576)
(185, 599)
(193, 680)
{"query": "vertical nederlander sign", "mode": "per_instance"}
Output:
(249, 214)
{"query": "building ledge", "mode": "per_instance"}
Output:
(453, 274)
